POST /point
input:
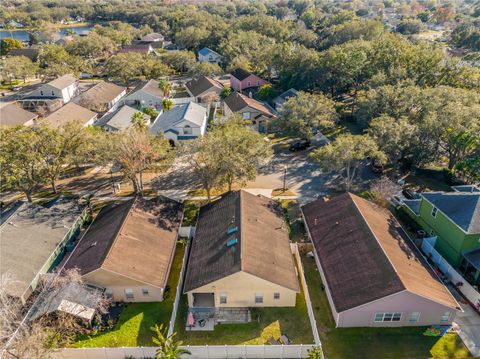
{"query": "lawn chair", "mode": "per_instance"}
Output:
(284, 339)
(272, 341)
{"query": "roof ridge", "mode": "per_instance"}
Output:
(241, 229)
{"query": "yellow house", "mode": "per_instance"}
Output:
(128, 249)
(240, 255)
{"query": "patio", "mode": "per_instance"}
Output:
(205, 319)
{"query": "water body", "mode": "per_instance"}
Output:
(22, 35)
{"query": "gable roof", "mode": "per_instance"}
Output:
(206, 51)
(63, 81)
(190, 111)
(154, 36)
(31, 53)
(237, 102)
(13, 115)
(135, 239)
(71, 112)
(240, 74)
(100, 94)
(121, 119)
(262, 248)
(285, 96)
(151, 87)
(30, 235)
(463, 208)
(365, 254)
(200, 85)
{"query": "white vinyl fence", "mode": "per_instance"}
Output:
(197, 352)
(467, 290)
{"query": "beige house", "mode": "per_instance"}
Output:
(12, 115)
(203, 87)
(373, 275)
(70, 113)
(103, 97)
(240, 256)
(129, 248)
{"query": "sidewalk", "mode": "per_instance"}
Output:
(467, 325)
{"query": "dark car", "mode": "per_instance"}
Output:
(300, 145)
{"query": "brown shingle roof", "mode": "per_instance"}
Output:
(135, 238)
(365, 255)
(262, 250)
(63, 81)
(237, 102)
(202, 84)
(101, 95)
(71, 112)
(12, 115)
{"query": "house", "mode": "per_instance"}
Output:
(13, 115)
(202, 86)
(121, 119)
(146, 95)
(153, 37)
(64, 87)
(129, 248)
(103, 97)
(454, 219)
(71, 112)
(144, 49)
(182, 122)
(240, 256)
(31, 53)
(250, 109)
(208, 55)
(241, 79)
(373, 274)
(33, 239)
(282, 98)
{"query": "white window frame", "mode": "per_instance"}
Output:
(249, 83)
(246, 115)
(434, 212)
(223, 298)
(414, 317)
(145, 291)
(258, 82)
(258, 298)
(41, 92)
(388, 317)
(187, 130)
(447, 315)
(276, 295)
(129, 293)
(109, 294)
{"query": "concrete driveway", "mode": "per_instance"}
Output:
(467, 325)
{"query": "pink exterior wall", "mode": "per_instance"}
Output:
(403, 302)
(254, 80)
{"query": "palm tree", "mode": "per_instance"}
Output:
(165, 86)
(167, 104)
(167, 347)
(138, 121)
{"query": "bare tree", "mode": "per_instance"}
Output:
(383, 190)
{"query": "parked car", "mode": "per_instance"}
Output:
(299, 145)
(16, 88)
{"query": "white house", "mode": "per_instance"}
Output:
(64, 87)
(208, 55)
(183, 122)
(147, 95)
(121, 119)
(103, 97)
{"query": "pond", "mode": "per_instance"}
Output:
(22, 35)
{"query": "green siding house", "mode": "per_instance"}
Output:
(454, 218)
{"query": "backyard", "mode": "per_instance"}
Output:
(266, 323)
(395, 343)
(133, 326)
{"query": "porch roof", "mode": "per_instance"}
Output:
(473, 257)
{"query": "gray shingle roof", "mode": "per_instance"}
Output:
(191, 112)
(285, 96)
(63, 81)
(463, 208)
(262, 248)
(13, 115)
(202, 84)
(121, 119)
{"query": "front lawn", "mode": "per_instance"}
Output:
(133, 327)
(395, 343)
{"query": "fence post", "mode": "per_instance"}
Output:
(208, 351)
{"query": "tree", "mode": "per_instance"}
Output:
(168, 348)
(23, 166)
(409, 27)
(266, 92)
(181, 61)
(8, 44)
(165, 86)
(207, 69)
(192, 37)
(315, 353)
(167, 104)
(210, 98)
(303, 114)
(138, 121)
(125, 66)
(383, 190)
(90, 47)
(150, 111)
(225, 92)
(345, 155)
(56, 61)
(19, 67)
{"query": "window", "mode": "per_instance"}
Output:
(258, 298)
(434, 212)
(41, 93)
(258, 82)
(276, 295)
(53, 93)
(388, 317)
(246, 115)
(414, 317)
(445, 317)
(187, 130)
(109, 294)
(249, 83)
(223, 298)
(145, 291)
(129, 293)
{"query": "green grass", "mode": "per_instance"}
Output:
(272, 322)
(133, 327)
(394, 343)
(190, 212)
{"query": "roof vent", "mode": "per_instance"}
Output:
(232, 242)
(232, 230)
(93, 244)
